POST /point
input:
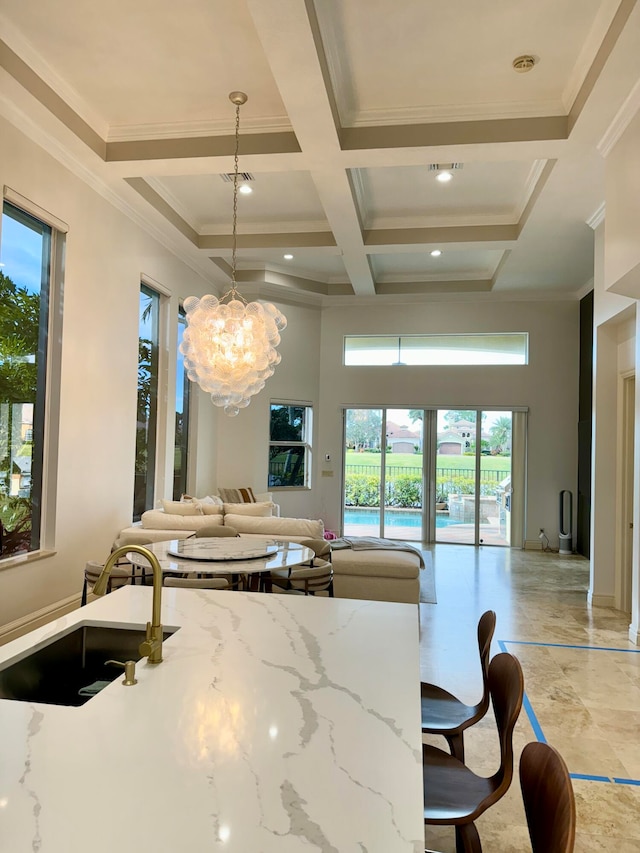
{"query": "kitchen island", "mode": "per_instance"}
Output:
(275, 723)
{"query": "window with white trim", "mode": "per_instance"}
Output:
(290, 430)
(30, 269)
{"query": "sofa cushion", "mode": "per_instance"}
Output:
(156, 519)
(376, 563)
(277, 527)
(181, 507)
(264, 509)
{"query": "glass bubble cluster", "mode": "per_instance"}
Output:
(229, 348)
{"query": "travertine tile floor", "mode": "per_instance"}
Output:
(582, 680)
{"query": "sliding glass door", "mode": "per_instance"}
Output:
(383, 473)
(429, 475)
(403, 480)
(473, 477)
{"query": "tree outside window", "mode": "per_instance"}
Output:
(147, 409)
(24, 300)
(289, 445)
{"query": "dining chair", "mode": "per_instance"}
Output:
(443, 713)
(453, 794)
(233, 579)
(314, 575)
(122, 573)
(214, 530)
(196, 583)
(549, 802)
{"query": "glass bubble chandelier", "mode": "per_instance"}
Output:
(229, 344)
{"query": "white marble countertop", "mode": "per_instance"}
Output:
(275, 723)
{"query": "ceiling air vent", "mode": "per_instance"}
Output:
(447, 167)
(227, 177)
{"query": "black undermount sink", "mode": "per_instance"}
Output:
(57, 672)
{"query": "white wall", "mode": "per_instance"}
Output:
(548, 385)
(106, 255)
(622, 193)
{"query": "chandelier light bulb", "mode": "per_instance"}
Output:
(245, 189)
(444, 177)
(436, 253)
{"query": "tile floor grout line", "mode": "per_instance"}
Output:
(570, 646)
(535, 723)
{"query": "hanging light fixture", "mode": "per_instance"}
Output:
(229, 345)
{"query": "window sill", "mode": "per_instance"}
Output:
(289, 488)
(22, 559)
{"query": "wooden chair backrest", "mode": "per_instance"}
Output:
(486, 629)
(506, 685)
(548, 799)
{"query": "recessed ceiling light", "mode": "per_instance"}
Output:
(288, 257)
(444, 177)
(245, 189)
(436, 253)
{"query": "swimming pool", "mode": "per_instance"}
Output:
(392, 518)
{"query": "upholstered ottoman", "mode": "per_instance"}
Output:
(377, 574)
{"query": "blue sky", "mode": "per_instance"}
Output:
(21, 254)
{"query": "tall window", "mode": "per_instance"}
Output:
(290, 445)
(24, 318)
(147, 416)
(182, 417)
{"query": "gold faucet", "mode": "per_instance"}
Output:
(151, 647)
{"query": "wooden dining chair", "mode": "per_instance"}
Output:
(453, 794)
(549, 802)
(315, 575)
(443, 713)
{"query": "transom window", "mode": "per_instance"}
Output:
(454, 349)
(290, 445)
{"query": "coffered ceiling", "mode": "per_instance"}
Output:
(352, 106)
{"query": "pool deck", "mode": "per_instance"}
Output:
(460, 534)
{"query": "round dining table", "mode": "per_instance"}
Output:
(203, 555)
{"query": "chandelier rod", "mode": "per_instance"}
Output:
(237, 98)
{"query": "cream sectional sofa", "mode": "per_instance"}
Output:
(375, 575)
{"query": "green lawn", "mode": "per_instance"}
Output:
(414, 460)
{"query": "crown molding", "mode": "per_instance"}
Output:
(455, 112)
(597, 217)
(621, 122)
(188, 129)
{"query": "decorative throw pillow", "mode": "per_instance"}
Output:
(237, 496)
(207, 508)
(262, 509)
(181, 507)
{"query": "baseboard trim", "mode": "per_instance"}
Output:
(601, 600)
(22, 626)
(532, 545)
(634, 634)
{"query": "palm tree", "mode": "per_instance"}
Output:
(501, 434)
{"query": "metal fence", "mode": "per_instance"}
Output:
(446, 474)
